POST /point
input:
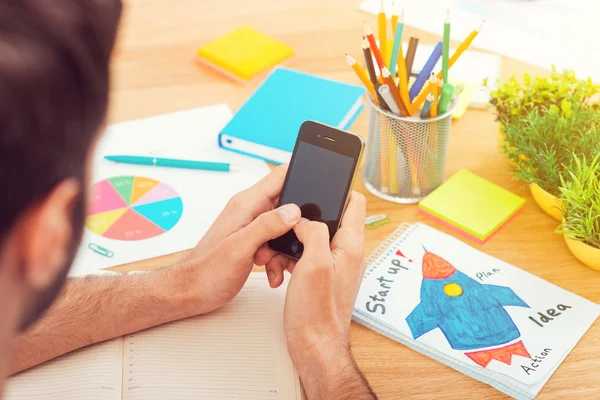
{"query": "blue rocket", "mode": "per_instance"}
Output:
(470, 314)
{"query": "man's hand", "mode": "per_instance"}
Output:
(319, 304)
(218, 267)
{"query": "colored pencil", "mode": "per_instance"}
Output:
(373, 45)
(463, 46)
(446, 47)
(369, 61)
(382, 25)
(427, 106)
(362, 76)
(426, 71)
(410, 54)
(422, 97)
(403, 80)
(394, 18)
(387, 78)
(445, 98)
(436, 97)
(397, 44)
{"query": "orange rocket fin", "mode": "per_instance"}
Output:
(502, 354)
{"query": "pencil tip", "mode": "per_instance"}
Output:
(401, 18)
(447, 16)
(480, 26)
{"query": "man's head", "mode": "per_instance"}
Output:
(54, 80)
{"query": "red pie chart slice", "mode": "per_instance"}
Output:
(132, 226)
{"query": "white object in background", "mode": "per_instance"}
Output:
(563, 33)
(190, 134)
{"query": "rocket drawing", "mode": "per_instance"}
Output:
(470, 314)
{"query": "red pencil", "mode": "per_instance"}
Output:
(374, 48)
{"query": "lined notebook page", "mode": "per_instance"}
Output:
(92, 373)
(237, 352)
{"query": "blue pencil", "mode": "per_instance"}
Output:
(427, 106)
(426, 71)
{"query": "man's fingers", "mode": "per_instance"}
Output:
(265, 227)
(356, 213)
(348, 243)
(270, 186)
(264, 255)
(315, 238)
(275, 269)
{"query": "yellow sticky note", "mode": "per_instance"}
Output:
(465, 97)
(244, 53)
(472, 204)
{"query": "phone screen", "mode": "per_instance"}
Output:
(318, 182)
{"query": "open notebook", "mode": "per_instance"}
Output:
(237, 352)
(475, 313)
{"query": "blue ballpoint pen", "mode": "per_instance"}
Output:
(172, 163)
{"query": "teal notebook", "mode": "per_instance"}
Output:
(266, 126)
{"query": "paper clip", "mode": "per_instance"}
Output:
(100, 250)
(375, 221)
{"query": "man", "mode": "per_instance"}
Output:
(54, 77)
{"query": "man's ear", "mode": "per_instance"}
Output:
(45, 235)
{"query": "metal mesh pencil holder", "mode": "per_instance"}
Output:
(405, 156)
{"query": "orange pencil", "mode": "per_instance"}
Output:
(362, 76)
(373, 45)
(420, 99)
(387, 78)
(463, 46)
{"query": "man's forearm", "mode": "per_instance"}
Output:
(98, 308)
(329, 372)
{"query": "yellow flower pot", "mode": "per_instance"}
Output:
(585, 253)
(547, 202)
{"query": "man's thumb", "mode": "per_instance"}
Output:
(267, 226)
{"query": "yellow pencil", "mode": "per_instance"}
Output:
(436, 98)
(382, 21)
(362, 76)
(463, 46)
(403, 83)
(394, 18)
(420, 99)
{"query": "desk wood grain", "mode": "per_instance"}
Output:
(155, 73)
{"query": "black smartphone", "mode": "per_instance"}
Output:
(318, 180)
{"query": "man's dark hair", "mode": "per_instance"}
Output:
(54, 84)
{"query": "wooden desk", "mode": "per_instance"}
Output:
(155, 73)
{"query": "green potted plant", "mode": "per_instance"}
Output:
(558, 92)
(516, 98)
(540, 146)
(580, 197)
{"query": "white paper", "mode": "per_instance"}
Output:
(393, 289)
(190, 134)
(563, 33)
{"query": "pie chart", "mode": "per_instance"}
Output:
(133, 208)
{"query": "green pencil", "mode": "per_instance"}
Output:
(445, 97)
(446, 48)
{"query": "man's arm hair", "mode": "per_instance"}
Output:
(98, 308)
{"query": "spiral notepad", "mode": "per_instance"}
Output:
(481, 316)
